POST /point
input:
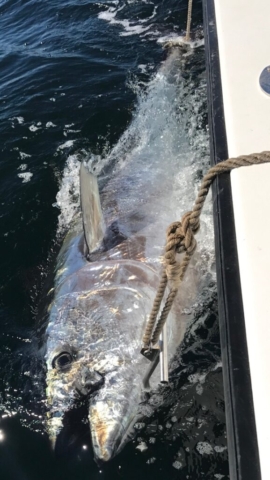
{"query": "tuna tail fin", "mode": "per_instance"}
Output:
(93, 223)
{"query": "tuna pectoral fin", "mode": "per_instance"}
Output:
(93, 223)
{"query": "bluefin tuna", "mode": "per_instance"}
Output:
(107, 275)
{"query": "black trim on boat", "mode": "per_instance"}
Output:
(241, 428)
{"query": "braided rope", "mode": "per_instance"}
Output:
(187, 38)
(180, 239)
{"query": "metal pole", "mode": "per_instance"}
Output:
(164, 370)
(150, 371)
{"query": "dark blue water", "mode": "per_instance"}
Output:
(66, 70)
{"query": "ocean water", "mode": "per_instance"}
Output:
(86, 80)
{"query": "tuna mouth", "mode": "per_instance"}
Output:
(67, 441)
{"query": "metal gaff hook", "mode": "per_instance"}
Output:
(158, 354)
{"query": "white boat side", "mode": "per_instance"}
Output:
(243, 35)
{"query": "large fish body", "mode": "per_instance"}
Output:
(102, 300)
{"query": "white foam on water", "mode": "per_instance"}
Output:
(139, 425)
(173, 39)
(133, 30)
(68, 197)
(50, 124)
(72, 131)
(24, 155)
(204, 448)
(33, 128)
(142, 447)
(143, 68)
(67, 144)
(199, 389)
(22, 167)
(20, 120)
(26, 176)
(143, 27)
(220, 448)
(217, 365)
(197, 378)
(129, 27)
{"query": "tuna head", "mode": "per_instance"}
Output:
(93, 350)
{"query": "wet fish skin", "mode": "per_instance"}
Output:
(98, 315)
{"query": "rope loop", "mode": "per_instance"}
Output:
(181, 240)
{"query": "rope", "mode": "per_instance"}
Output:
(187, 38)
(180, 239)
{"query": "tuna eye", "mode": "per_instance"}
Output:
(62, 361)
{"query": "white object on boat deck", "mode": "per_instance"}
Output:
(243, 35)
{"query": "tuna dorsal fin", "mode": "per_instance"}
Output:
(93, 223)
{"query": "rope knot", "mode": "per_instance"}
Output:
(180, 239)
